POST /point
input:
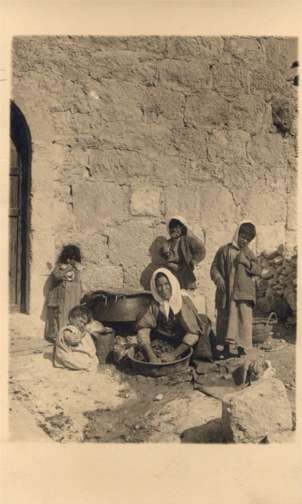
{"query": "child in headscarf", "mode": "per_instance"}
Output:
(232, 271)
(182, 252)
(74, 347)
(65, 290)
(173, 316)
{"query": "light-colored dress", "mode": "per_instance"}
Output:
(74, 355)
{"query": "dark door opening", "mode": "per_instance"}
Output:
(19, 211)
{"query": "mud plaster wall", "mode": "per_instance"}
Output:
(127, 131)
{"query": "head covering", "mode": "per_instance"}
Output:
(175, 302)
(236, 235)
(179, 218)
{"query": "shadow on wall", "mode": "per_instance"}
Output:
(156, 261)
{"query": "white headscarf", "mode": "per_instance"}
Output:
(252, 243)
(175, 302)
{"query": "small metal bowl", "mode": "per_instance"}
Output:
(160, 369)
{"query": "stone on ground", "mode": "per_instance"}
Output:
(179, 415)
(262, 409)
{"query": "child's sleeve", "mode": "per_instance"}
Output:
(164, 250)
(250, 261)
(255, 268)
(71, 338)
(198, 250)
(59, 272)
(215, 273)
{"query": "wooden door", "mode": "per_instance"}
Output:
(15, 231)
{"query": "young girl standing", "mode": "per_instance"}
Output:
(65, 290)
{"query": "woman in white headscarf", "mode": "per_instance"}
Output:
(173, 317)
(182, 252)
(232, 271)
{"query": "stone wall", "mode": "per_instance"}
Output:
(127, 131)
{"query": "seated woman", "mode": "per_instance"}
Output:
(182, 252)
(173, 317)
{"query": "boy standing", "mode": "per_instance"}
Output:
(232, 271)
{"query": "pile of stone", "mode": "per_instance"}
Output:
(277, 289)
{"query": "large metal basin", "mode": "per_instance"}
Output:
(118, 306)
(161, 369)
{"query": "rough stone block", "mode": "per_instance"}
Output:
(267, 151)
(117, 165)
(185, 74)
(95, 248)
(247, 49)
(249, 113)
(165, 170)
(255, 412)
(189, 143)
(200, 202)
(103, 276)
(190, 47)
(206, 109)
(263, 207)
(115, 64)
(160, 104)
(129, 244)
(173, 418)
(132, 276)
(119, 101)
(145, 201)
(230, 79)
(228, 147)
(95, 205)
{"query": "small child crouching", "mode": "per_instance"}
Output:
(74, 346)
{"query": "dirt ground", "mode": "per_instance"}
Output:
(111, 405)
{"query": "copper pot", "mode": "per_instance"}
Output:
(118, 306)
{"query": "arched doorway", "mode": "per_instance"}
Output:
(19, 211)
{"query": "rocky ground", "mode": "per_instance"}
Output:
(113, 406)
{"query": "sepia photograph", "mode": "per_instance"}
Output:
(153, 239)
